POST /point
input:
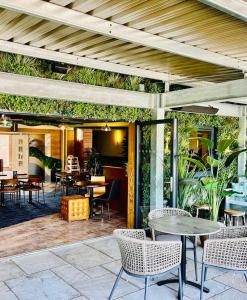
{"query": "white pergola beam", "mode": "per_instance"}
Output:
(21, 85)
(41, 53)
(235, 8)
(227, 91)
(79, 20)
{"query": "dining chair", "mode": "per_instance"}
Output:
(34, 184)
(147, 259)
(101, 190)
(11, 187)
(106, 199)
(159, 236)
(226, 249)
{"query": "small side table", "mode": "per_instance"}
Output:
(74, 208)
(234, 216)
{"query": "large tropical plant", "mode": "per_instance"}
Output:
(189, 187)
(216, 172)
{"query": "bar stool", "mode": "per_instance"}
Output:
(201, 207)
(234, 216)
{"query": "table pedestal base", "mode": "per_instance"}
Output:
(194, 284)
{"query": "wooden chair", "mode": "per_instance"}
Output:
(98, 191)
(34, 185)
(11, 187)
(113, 194)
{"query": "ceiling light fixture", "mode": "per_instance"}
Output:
(106, 128)
(5, 121)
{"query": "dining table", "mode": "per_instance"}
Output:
(90, 186)
(185, 227)
(66, 176)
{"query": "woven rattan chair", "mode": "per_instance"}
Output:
(145, 259)
(226, 249)
(159, 236)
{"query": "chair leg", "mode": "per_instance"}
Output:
(108, 206)
(153, 234)
(205, 273)
(195, 261)
(202, 281)
(245, 275)
(146, 288)
(180, 291)
(116, 282)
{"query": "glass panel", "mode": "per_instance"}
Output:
(149, 156)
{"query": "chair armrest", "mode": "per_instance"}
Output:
(228, 253)
(230, 232)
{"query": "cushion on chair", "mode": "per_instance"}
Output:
(171, 237)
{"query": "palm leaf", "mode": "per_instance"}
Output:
(224, 144)
(233, 156)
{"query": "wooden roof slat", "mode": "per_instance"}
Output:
(52, 35)
(83, 44)
(36, 31)
(17, 26)
(158, 15)
(66, 41)
(87, 5)
(145, 7)
(113, 7)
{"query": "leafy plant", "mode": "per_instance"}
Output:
(94, 163)
(189, 187)
(53, 164)
(216, 173)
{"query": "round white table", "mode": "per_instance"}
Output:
(184, 226)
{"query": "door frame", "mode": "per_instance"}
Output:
(174, 168)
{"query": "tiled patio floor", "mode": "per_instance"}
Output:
(37, 226)
(87, 270)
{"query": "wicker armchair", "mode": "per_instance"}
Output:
(159, 236)
(145, 259)
(226, 249)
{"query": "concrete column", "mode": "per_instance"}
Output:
(157, 159)
(242, 142)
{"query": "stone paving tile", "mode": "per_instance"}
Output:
(9, 270)
(41, 286)
(36, 262)
(82, 256)
(96, 272)
(230, 294)
(70, 274)
(100, 289)
(194, 293)
(86, 271)
(235, 280)
(108, 246)
(154, 293)
(5, 293)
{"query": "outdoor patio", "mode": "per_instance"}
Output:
(87, 270)
(123, 129)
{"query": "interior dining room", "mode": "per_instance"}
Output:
(47, 161)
